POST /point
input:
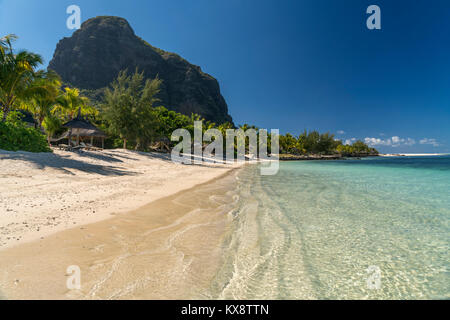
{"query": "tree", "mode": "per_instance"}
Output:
(168, 121)
(128, 108)
(17, 74)
(43, 101)
(51, 124)
(288, 144)
(360, 147)
(312, 141)
(70, 102)
(327, 144)
(5, 45)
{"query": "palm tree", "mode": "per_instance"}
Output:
(51, 124)
(17, 74)
(46, 89)
(70, 102)
(6, 44)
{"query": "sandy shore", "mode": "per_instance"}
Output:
(168, 249)
(41, 194)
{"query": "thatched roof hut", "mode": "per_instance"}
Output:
(84, 133)
(81, 127)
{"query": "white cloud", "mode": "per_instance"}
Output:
(377, 142)
(410, 142)
(394, 141)
(431, 141)
(341, 132)
(349, 141)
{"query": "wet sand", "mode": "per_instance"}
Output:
(168, 249)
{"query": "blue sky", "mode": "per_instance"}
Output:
(292, 64)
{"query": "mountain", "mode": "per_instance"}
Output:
(93, 56)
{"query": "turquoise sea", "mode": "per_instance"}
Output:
(376, 228)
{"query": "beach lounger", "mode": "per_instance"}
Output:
(63, 146)
(88, 146)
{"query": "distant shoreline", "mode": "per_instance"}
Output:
(413, 154)
(290, 157)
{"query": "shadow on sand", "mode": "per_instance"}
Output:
(120, 153)
(64, 163)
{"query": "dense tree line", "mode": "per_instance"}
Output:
(314, 142)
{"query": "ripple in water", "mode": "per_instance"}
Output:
(324, 230)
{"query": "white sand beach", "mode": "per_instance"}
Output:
(43, 193)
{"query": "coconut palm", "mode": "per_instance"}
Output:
(51, 124)
(70, 102)
(17, 74)
(6, 45)
(46, 89)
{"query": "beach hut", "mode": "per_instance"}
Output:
(82, 128)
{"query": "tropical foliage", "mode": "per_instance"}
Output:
(40, 92)
(322, 144)
(41, 103)
(357, 148)
(18, 75)
(316, 143)
(128, 108)
(15, 135)
(69, 102)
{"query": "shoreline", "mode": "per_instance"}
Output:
(171, 240)
(290, 157)
(42, 194)
(413, 154)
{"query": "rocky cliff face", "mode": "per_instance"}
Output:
(92, 58)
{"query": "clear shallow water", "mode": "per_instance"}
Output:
(314, 229)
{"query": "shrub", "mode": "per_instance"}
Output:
(15, 136)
